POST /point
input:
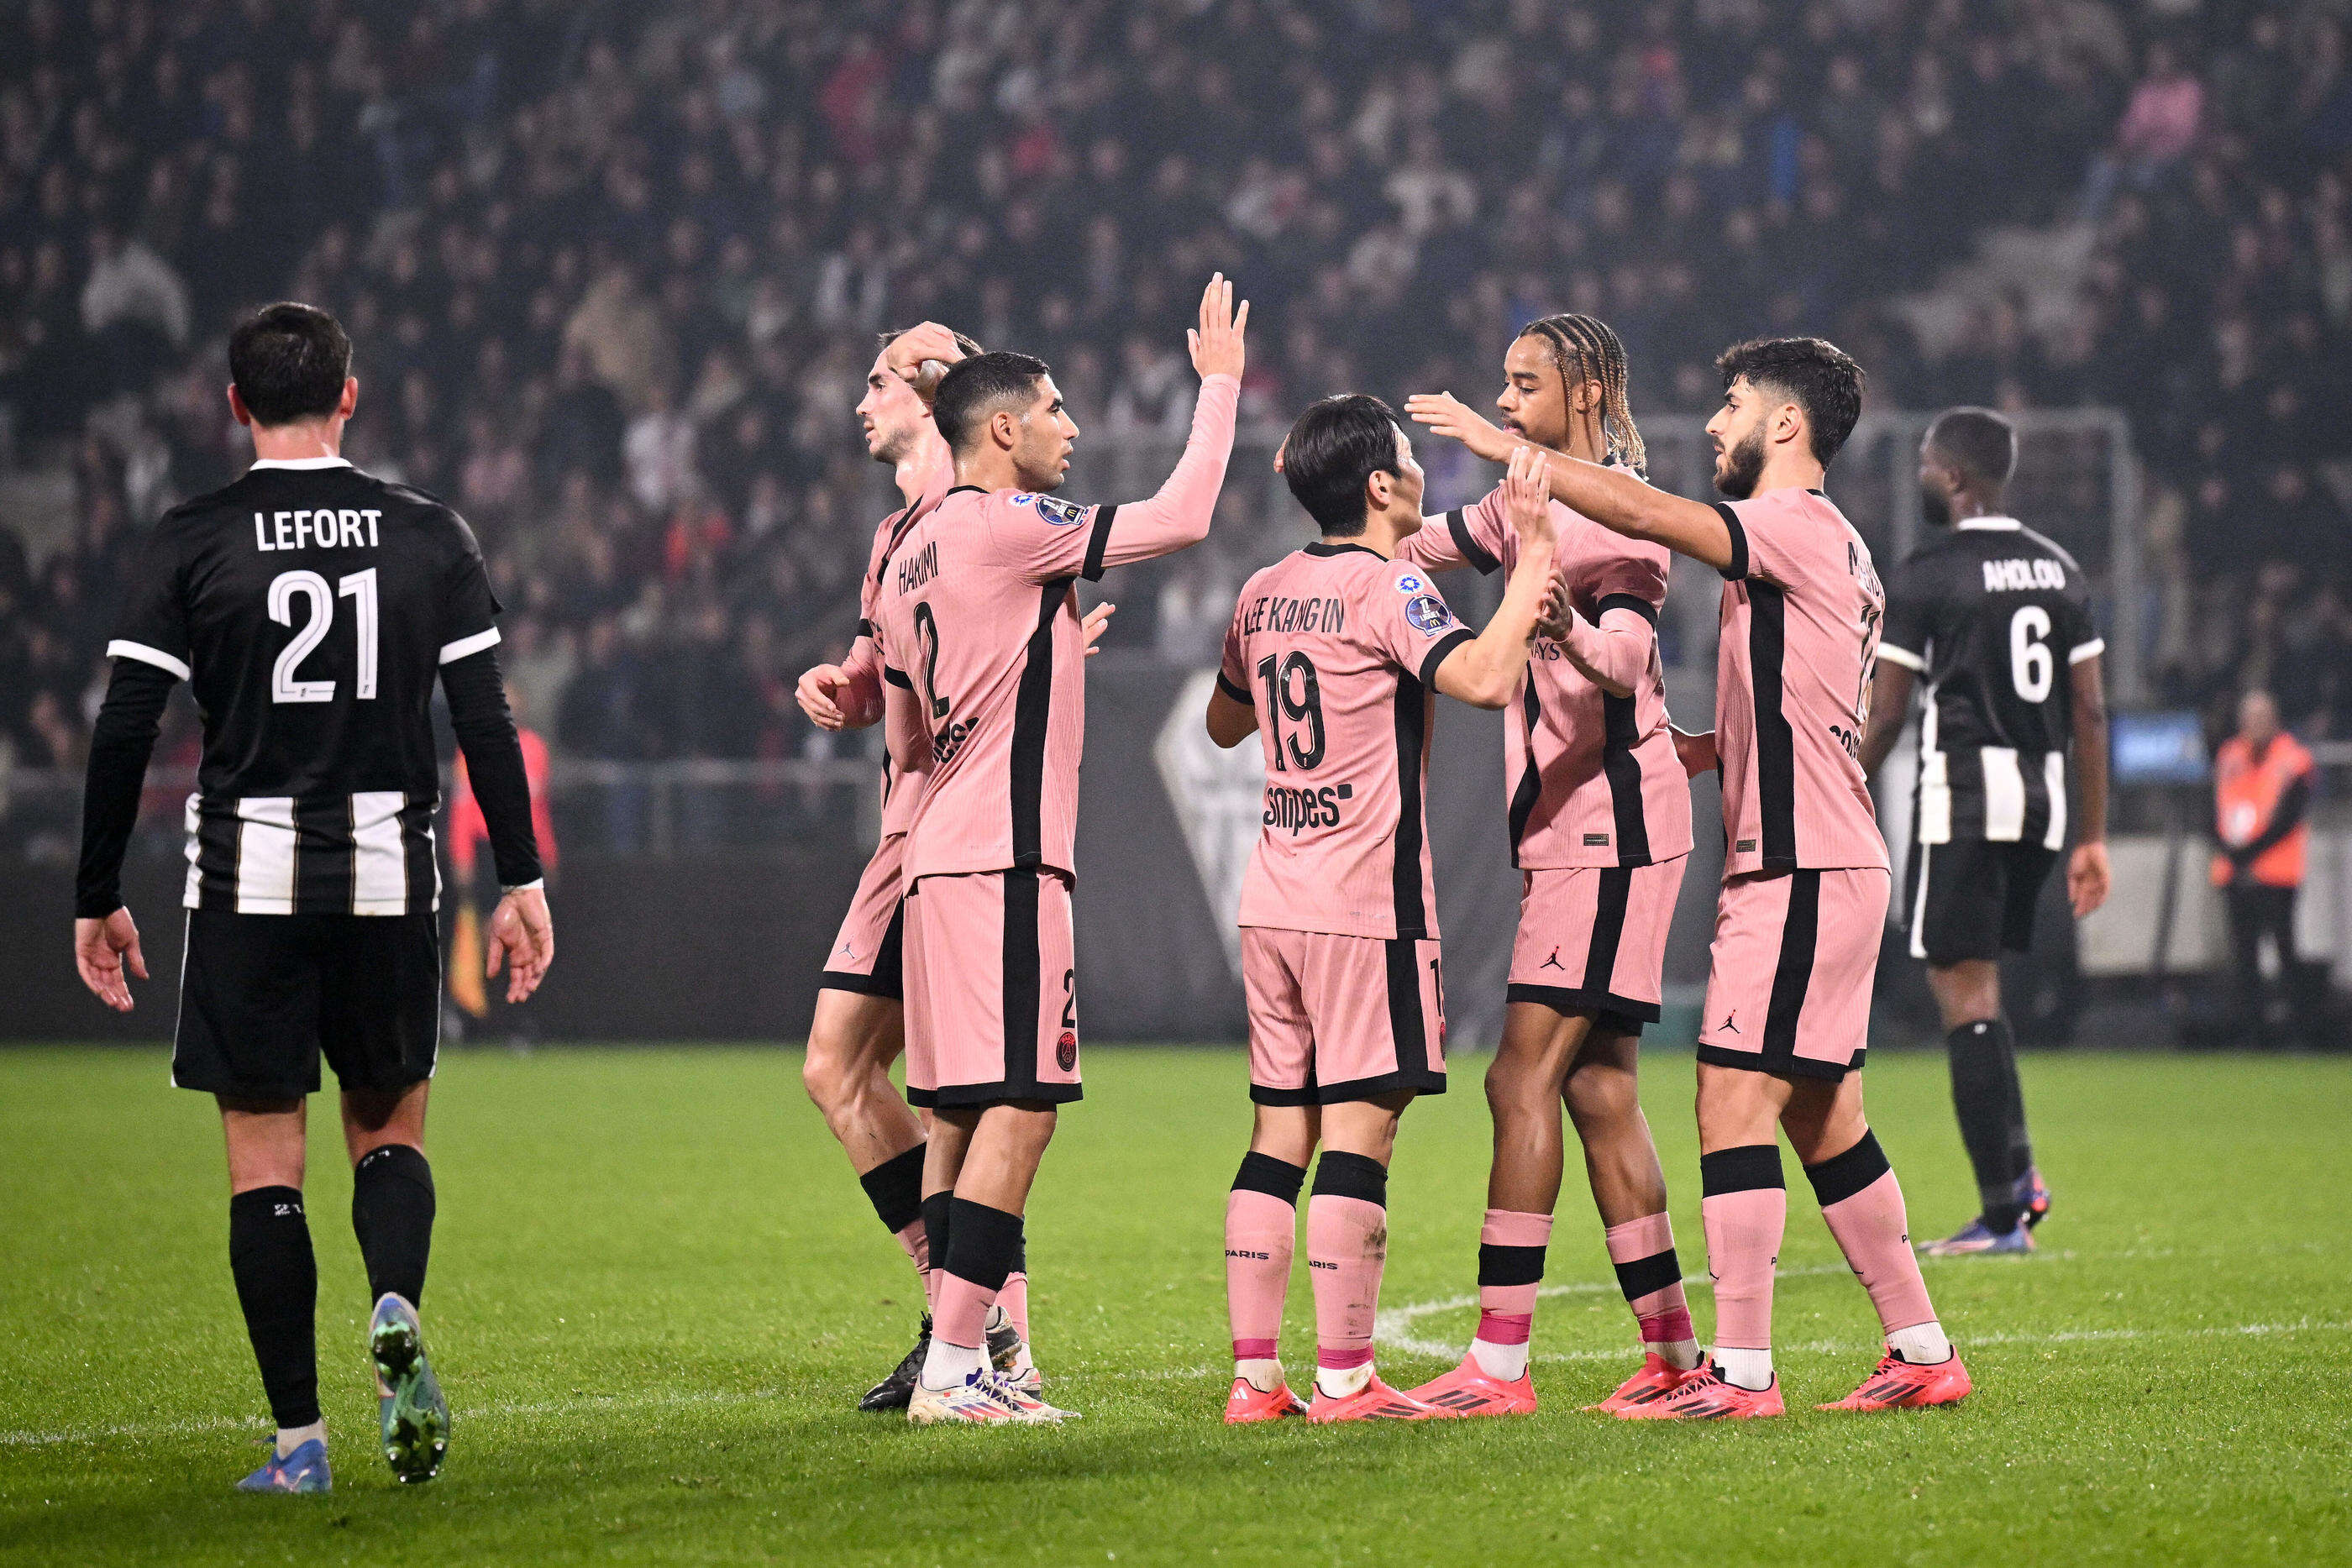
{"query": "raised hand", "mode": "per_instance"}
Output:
(1448, 415)
(1527, 498)
(819, 694)
(102, 949)
(1216, 343)
(920, 355)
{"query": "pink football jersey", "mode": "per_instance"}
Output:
(977, 624)
(1336, 647)
(1802, 606)
(901, 791)
(1592, 780)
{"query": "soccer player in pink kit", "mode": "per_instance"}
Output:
(977, 621)
(1805, 876)
(857, 1031)
(1599, 812)
(1329, 660)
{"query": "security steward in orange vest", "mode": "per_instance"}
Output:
(2261, 799)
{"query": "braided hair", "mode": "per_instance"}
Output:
(1584, 349)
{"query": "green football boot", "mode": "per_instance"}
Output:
(414, 1416)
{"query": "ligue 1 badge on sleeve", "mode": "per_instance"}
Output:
(1428, 612)
(1408, 581)
(1053, 510)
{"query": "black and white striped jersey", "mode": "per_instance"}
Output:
(311, 607)
(1993, 617)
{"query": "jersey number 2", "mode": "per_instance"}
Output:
(359, 587)
(2031, 667)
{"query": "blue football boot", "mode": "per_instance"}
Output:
(2034, 1194)
(413, 1416)
(1976, 1239)
(304, 1470)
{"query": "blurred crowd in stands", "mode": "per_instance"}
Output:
(614, 270)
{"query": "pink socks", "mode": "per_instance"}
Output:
(1650, 1273)
(1347, 1246)
(1261, 1232)
(1744, 1208)
(1864, 1205)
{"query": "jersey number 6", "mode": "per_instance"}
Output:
(2031, 667)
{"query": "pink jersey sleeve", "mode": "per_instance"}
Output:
(1616, 627)
(1466, 536)
(1232, 669)
(1783, 555)
(1044, 537)
(1406, 619)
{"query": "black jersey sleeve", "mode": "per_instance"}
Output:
(469, 607)
(494, 767)
(152, 626)
(2077, 632)
(1909, 629)
(119, 745)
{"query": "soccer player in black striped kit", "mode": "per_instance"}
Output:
(1997, 621)
(311, 607)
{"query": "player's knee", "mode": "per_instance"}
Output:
(1599, 1098)
(825, 1073)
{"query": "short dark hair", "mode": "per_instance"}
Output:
(966, 344)
(974, 388)
(289, 362)
(1333, 451)
(1977, 442)
(1816, 374)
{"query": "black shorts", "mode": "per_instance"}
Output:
(1971, 899)
(261, 996)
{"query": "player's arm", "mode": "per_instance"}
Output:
(106, 939)
(1485, 670)
(1890, 708)
(1178, 515)
(2087, 875)
(1613, 649)
(848, 695)
(903, 729)
(521, 935)
(1233, 705)
(1610, 496)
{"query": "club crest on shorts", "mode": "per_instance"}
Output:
(1065, 1052)
(1428, 612)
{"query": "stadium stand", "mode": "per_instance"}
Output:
(615, 275)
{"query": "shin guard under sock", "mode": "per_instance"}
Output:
(1863, 1203)
(392, 1214)
(1991, 1106)
(935, 1221)
(1745, 1208)
(1650, 1273)
(1510, 1270)
(895, 1188)
(277, 1288)
(1347, 1246)
(1261, 1234)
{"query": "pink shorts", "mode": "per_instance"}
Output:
(991, 989)
(1593, 940)
(1795, 953)
(1341, 1017)
(866, 954)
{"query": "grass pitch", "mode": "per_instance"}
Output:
(655, 1293)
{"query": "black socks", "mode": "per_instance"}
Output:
(1992, 1107)
(392, 1212)
(278, 1287)
(895, 1188)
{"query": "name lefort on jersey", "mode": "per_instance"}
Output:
(323, 527)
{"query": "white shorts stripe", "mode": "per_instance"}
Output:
(2004, 796)
(1935, 797)
(453, 652)
(265, 855)
(379, 857)
(2054, 781)
(192, 894)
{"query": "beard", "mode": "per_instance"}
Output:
(1740, 467)
(1934, 506)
